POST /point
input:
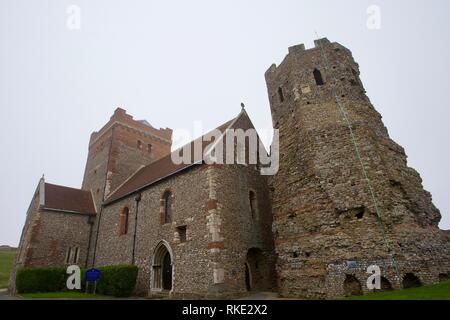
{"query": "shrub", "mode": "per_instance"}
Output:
(30, 280)
(118, 281)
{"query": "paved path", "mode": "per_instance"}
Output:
(5, 296)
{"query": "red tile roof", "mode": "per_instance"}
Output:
(67, 199)
(159, 169)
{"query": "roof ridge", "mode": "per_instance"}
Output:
(228, 124)
(66, 187)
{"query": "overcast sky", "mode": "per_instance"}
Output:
(176, 62)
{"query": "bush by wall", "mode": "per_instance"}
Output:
(118, 281)
(30, 280)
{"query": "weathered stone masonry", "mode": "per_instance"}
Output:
(323, 213)
(219, 231)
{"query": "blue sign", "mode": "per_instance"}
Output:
(92, 275)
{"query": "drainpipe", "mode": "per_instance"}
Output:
(99, 219)
(137, 199)
(91, 225)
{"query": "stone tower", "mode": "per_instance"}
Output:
(118, 150)
(327, 226)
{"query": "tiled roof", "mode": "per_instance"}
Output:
(67, 199)
(159, 169)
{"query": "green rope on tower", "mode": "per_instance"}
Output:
(344, 114)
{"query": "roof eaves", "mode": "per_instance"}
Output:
(68, 211)
(108, 202)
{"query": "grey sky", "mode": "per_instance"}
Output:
(176, 62)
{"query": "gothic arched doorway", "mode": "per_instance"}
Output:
(162, 267)
(167, 272)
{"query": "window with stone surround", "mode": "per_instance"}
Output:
(124, 221)
(149, 148)
(139, 144)
(181, 230)
(166, 203)
(72, 255)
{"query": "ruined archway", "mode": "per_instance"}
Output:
(162, 270)
(444, 277)
(352, 286)
(257, 271)
(411, 281)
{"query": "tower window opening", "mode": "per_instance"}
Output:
(182, 233)
(280, 94)
(149, 148)
(318, 77)
(139, 144)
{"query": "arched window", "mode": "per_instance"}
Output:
(123, 221)
(253, 204)
(167, 207)
(318, 77)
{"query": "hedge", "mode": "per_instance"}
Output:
(30, 280)
(118, 281)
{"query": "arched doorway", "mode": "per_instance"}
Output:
(162, 270)
(258, 270)
(167, 272)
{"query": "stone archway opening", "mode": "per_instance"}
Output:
(411, 281)
(162, 270)
(257, 271)
(444, 277)
(352, 286)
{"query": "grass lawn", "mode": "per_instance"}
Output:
(6, 264)
(63, 295)
(440, 291)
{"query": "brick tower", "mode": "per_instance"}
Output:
(326, 226)
(118, 150)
